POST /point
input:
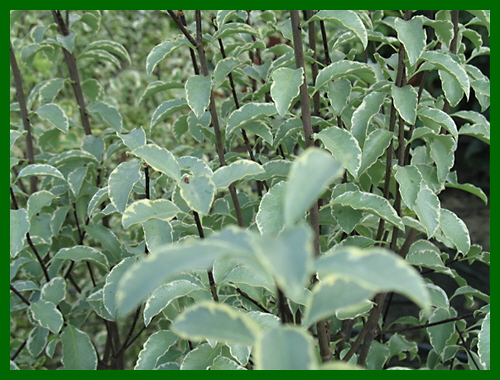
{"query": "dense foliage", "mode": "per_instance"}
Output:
(243, 189)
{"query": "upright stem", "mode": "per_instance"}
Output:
(24, 114)
(323, 336)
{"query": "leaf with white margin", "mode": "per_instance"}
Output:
(154, 348)
(198, 93)
(346, 18)
(451, 88)
(161, 50)
(440, 333)
(374, 204)
(377, 269)
(309, 177)
(342, 69)
(145, 209)
(288, 258)
(166, 293)
(53, 113)
(285, 347)
(343, 146)
(223, 68)
(484, 342)
(194, 165)
(409, 179)
(248, 112)
(443, 157)
(134, 139)
(226, 175)
(427, 207)
(198, 193)
(54, 291)
(437, 116)
(81, 252)
(331, 294)
(405, 101)
(412, 35)
(47, 315)
(121, 181)
(285, 87)
(159, 159)
(111, 284)
(455, 229)
(77, 350)
(201, 358)
(375, 145)
(166, 109)
(164, 263)
(37, 201)
(40, 170)
(157, 233)
(446, 62)
(224, 363)
(369, 107)
(220, 322)
(338, 93)
(19, 226)
(109, 113)
(269, 218)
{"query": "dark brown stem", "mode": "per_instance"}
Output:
(17, 293)
(35, 251)
(24, 114)
(70, 59)
(325, 42)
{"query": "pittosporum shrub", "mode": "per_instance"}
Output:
(242, 189)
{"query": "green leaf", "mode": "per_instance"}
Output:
(427, 207)
(451, 88)
(343, 146)
(455, 229)
(285, 87)
(223, 363)
(100, 54)
(362, 115)
(38, 200)
(194, 166)
(111, 285)
(14, 135)
(37, 340)
(338, 93)
(121, 181)
(198, 193)
(343, 69)
(285, 347)
(248, 112)
(445, 62)
(226, 175)
(158, 86)
(160, 265)
(412, 35)
(288, 258)
(269, 218)
(145, 209)
(375, 145)
(47, 315)
(76, 178)
(67, 42)
(374, 204)
(54, 291)
(233, 28)
(92, 89)
(409, 179)
(201, 358)
(347, 217)
(198, 93)
(40, 170)
(80, 252)
(434, 115)
(49, 90)
(309, 177)
(110, 46)
(222, 70)
(166, 109)
(347, 19)
(19, 226)
(157, 232)
(109, 113)
(134, 139)
(159, 159)
(331, 294)
(377, 269)
(161, 51)
(209, 320)
(154, 348)
(78, 351)
(484, 342)
(405, 101)
(163, 295)
(443, 157)
(440, 333)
